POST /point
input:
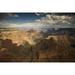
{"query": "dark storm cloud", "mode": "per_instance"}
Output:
(4, 20)
(3, 16)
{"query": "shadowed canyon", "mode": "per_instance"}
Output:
(37, 46)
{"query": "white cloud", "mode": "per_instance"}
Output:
(26, 25)
(37, 14)
(37, 20)
(55, 19)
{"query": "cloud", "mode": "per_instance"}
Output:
(3, 16)
(54, 19)
(37, 20)
(13, 15)
(4, 24)
(37, 14)
(46, 21)
(49, 21)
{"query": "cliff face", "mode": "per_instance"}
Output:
(34, 37)
(61, 39)
(20, 36)
(31, 36)
(32, 45)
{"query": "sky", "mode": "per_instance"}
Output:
(37, 20)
